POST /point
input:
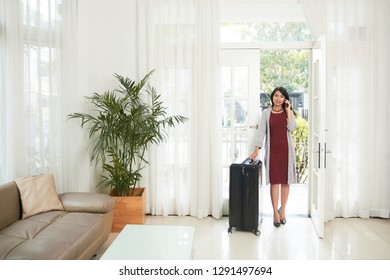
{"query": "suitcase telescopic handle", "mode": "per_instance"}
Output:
(248, 161)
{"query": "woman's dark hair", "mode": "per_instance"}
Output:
(284, 92)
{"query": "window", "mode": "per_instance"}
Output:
(269, 31)
(41, 54)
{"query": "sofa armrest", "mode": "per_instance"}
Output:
(86, 202)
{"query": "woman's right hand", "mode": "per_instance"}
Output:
(254, 154)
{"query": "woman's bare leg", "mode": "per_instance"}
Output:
(275, 202)
(284, 190)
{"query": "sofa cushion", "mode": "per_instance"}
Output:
(38, 194)
(86, 202)
(8, 243)
(67, 237)
(30, 227)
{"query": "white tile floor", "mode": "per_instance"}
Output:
(347, 239)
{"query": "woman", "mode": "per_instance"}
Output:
(276, 126)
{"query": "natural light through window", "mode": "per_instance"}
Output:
(41, 21)
(267, 31)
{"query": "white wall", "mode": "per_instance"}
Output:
(106, 45)
(106, 42)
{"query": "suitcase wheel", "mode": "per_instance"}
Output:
(257, 232)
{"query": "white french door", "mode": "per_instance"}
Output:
(317, 137)
(240, 103)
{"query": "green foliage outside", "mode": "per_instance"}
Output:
(279, 31)
(301, 139)
(267, 31)
(284, 68)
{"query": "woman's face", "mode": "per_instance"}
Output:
(278, 98)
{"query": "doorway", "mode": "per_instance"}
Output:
(290, 68)
(248, 77)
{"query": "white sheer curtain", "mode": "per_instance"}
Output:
(180, 39)
(358, 33)
(36, 87)
(11, 71)
(315, 16)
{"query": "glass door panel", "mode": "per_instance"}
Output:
(240, 99)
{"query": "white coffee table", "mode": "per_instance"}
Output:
(151, 242)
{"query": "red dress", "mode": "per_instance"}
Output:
(278, 162)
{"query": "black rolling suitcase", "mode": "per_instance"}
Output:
(244, 185)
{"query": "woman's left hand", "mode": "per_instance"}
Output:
(288, 104)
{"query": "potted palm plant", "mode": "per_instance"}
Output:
(121, 128)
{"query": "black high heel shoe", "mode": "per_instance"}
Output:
(282, 221)
(275, 223)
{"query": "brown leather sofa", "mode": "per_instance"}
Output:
(77, 232)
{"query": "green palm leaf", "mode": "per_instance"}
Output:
(121, 127)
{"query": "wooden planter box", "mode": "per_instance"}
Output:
(129, 210)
